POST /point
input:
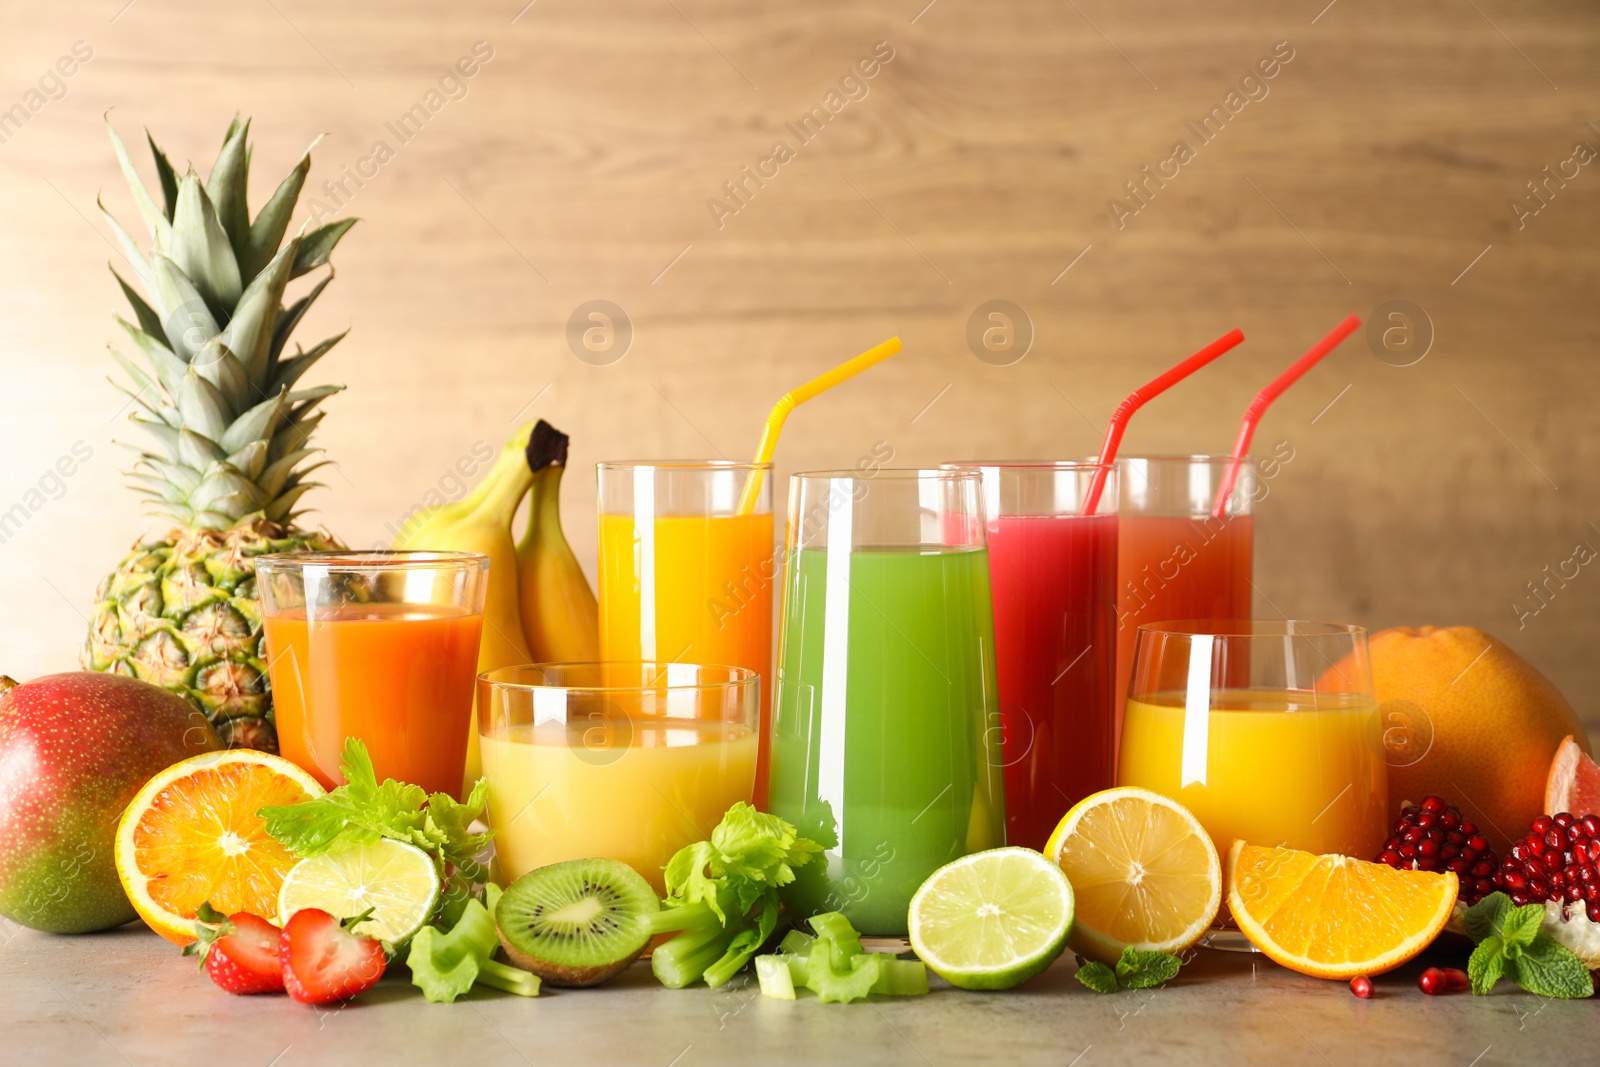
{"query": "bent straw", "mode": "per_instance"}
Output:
(1136, 400)
(793, 399)
(1258, 406)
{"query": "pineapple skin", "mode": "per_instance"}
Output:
(181, 612)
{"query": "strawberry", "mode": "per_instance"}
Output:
(323, 961)
(239, 951)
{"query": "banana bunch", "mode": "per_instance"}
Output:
(539, 607)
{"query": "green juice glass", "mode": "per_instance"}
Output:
(886, 735)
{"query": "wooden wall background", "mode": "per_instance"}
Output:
(978, 166)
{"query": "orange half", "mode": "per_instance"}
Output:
(1333, 916)
(192, 835)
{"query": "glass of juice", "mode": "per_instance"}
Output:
(630, 761)
(885, 739)
(1053, 577)
(1267, 730)
(686, 575)
(381, 646)
(1176, 559)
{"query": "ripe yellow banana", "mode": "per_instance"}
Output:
(481, 522)
(560, 616)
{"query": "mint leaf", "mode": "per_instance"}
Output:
(1487, 964)
(1098, 977)
(1487, 916)
(1520, 926)
(1142, 970)
(1547, 968)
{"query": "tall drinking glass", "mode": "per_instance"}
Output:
(1267, 730)
(630, 761)
(1053, 575)
(684, 576)
(885, 747)
(381, 646)
(1175, 558)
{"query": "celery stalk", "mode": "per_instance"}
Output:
(775, 977)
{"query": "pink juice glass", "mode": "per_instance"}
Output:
(1052, 572)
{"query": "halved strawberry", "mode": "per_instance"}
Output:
(323, 961)
(239, 951)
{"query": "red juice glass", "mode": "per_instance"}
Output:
(1176, 559)
(1052, 572)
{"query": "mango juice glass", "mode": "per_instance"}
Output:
(684, 577)
(1268, 731)
(629, 761)
(381, 646)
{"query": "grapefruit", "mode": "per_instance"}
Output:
(1574, 782)
(1467, 718)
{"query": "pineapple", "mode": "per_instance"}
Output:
(227, 455)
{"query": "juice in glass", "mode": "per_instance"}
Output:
(884, 742)
(1053, 574)
(368, 650)
(1274, 767)
(683, 576)
(628, 761)
(1175, 560)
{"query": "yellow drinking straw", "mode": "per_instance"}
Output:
(793, 399)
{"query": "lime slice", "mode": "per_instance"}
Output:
(993, 919)
(397, 881)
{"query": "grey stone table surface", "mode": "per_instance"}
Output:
(126, 997)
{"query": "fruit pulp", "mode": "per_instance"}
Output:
(654, 788)
(1054, 588)
(1271, 767)
(691, 589)
(1178, 567)
(884, 746)
(398, 676)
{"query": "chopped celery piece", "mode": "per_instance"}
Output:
(901, 978)
(796, 942)
(834, 983)
(773, 974)
(833, 927)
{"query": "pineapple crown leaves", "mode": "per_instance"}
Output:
(217, 394)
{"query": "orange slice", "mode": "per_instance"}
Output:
(1333, 916)
(192, 835)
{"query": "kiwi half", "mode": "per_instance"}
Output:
(576, 923)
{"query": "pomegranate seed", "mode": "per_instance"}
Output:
(1556, 839)
(1433, 803)
(1478, 843)
(1514, 881)
(1541, 824)
(1361, 986)
(1591, 825)
(1428, 848)
(1564, 819)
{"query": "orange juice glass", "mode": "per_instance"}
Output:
(382, 646)
(630, 761)
(1267, 730)
(684, 577)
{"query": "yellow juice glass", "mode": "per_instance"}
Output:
(629, 761)
(684, 577)
(1268, 731)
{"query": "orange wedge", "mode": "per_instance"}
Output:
(1333, 916)
(192, 835)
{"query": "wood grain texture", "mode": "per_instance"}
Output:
(977, 166)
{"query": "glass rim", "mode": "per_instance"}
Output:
(682, 464)
(741, 677)
(373, 559)
(1032, 464)
(1180, 457)
(1246, 628)
(898, 474)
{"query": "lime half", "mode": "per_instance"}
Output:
(397, 881)
(993, 919)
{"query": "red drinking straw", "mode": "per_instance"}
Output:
(1136, 399)
(1258, 406)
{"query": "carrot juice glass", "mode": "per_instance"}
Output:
(1053, 577)
(1267, 731)
(686, 574)
(629, 761)
(381, 646)
(1176, 558)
